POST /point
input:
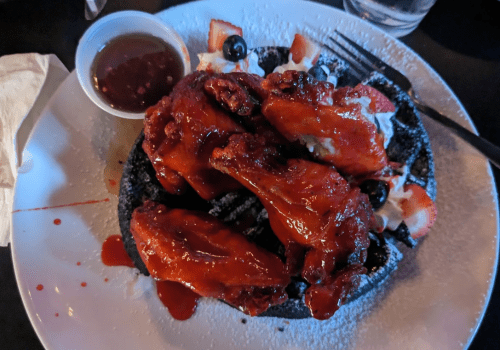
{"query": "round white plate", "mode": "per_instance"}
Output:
(71, 171)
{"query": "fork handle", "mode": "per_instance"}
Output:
(488, 149)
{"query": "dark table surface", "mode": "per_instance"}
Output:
(460, 40)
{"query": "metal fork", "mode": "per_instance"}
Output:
(363, 63)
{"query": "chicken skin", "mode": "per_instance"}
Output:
(180, 133)
(309, 204)
(198, 251)
(338, 133)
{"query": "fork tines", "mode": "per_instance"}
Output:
(361, 61)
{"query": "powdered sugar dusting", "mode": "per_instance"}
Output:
(221, 326)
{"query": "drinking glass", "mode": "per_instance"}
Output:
(397, 17)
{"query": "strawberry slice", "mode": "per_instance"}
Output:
(379, 102)
(303, 47)
(219, 31)
(419, 211)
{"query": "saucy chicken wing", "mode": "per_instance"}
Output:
(318, 116)
(180, 133)
(198, 251)
(308, 204)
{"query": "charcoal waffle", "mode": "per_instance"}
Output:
(410, 145)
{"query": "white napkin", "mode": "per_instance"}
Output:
(27, 81)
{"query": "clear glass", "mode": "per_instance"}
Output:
(397, 17)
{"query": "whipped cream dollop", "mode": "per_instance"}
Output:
(303, 66)
(217, 63)
(390, 215)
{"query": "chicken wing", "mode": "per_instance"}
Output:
(180, 133)
(308, 203)
(200, 252)
(305, 110)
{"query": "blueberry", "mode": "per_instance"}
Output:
(402, 234)
(318, 72)
(377, 191)
(234, 48)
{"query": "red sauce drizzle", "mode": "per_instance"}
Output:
(39, 287)
(57, 222)
(63, 205)
(113, 252)
(180, 301)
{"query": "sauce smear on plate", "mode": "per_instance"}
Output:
(113, 252)
(134, 71)
(180, 301)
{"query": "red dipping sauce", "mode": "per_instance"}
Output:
(134, 71)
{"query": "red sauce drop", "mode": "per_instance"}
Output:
(180, 301)
(39, 287)
(113, 252)
(78, 263)
(112, 183)
(84, 284)
(134, 71)
(106, 279)
(57, 314)
(57, 222)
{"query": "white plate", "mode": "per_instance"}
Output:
(72, 167)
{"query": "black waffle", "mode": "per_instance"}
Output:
(409, 145)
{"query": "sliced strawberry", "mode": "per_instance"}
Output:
(303, 47)
(419, 211)
(379, 102)
(219, 31)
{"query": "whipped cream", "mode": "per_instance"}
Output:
(319, 146)
(329, 77)
(390, 215)
(217, 63)
(303, 66)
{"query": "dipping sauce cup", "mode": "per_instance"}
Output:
(128, 60)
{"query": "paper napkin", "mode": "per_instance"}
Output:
(27, 81)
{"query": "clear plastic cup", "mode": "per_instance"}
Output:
(396, 17)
